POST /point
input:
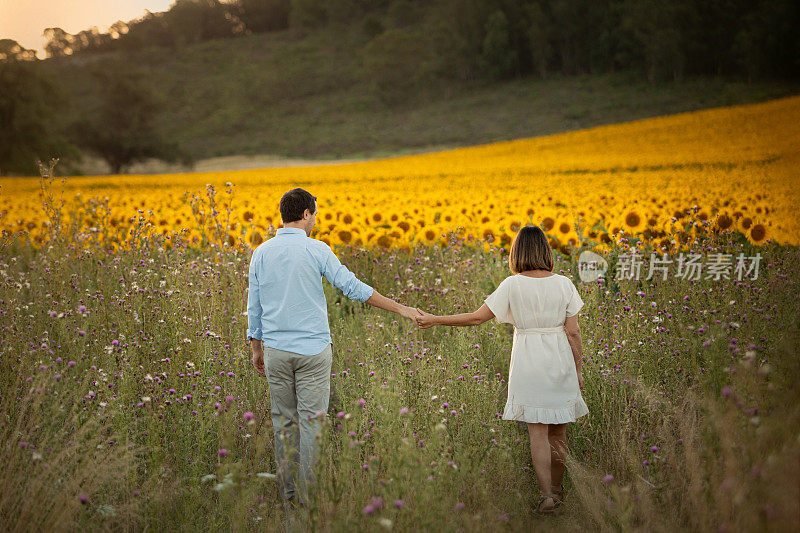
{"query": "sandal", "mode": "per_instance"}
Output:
(558, 496)
(542, 505)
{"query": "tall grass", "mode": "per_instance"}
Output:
(126, 377)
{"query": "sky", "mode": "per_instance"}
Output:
(25, 20)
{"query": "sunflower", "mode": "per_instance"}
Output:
(634, 221)
(723, 222)
(758, 234)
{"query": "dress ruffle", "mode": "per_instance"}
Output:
(545, 415)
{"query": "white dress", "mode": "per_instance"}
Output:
(543, 381)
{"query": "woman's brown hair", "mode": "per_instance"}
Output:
(530, 251)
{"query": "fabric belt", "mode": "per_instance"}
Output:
(541, 331)
(564, 364)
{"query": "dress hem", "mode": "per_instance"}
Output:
(545, 415)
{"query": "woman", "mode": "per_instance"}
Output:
(545, 378)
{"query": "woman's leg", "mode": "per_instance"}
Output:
(540, 453)
(557, 435)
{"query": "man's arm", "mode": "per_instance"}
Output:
(253, 304)
(382, 302)
(355, 289)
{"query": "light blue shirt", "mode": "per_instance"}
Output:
(286, 306)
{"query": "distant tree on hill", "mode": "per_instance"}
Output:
(59, 42)
(122, 128)
(498, 58)
(30, 102)
(265, 15)
(11, 50)
(192, 21)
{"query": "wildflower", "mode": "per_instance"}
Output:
(726, 391)
(249, 417)
(608, 478)
(459, 506)
(654, 449)
(222, 452)
(403, 410)
(83, 499)
(399, 504)
(376, 502)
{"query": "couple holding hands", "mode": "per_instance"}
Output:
(290, 340)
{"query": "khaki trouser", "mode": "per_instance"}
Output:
(299, 391)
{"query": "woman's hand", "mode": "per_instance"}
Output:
(425, 320)
(580, 380)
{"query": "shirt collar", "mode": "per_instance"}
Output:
(297, 231)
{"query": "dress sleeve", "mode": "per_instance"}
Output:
(498, 303)
(576, 302)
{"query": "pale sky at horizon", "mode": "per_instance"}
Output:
(25, 20)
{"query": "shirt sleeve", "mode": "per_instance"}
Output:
(253, 303)
(498, 303)
(576, 302)
(341, 278)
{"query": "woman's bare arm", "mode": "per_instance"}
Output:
(573, 330)
(464, 319)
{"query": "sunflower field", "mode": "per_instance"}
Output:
(664, 180)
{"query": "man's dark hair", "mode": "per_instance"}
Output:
(294, 203)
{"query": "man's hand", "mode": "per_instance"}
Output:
(258, 362)
(409, 312)
(258, 356)
(425, 320)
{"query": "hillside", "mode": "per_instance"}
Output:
(292, 95)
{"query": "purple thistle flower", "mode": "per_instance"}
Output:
(83, 498)
(222, 452)
(608, 478)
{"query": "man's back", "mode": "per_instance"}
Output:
(286, 303)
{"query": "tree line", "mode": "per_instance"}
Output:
(500, 39)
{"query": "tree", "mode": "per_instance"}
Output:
(11, 50)
(121, 129)
(30, 103)
(538, 38)
(59, 42)
(654, 26)
(498, 59)
(265, 15)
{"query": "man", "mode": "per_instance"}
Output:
(288, 325)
